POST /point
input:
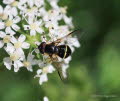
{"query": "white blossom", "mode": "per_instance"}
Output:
(20, 44)
(29, 62)
(4, 12)
(11, 24)
(15, 58)
(23, 23)
(42, 73)
(5, 38)
(34, 27)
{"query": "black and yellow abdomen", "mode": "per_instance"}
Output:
(64, 51)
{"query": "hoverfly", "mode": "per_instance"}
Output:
(55, 50)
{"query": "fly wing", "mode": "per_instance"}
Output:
(78, 31)
(63, 74)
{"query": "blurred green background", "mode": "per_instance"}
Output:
(95, 67)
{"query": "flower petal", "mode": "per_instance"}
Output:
(39, 71)
(16, 19)
(7, 63)
(1, 43)
(51, 69)
(17, 65)
(43, 78)
(26, 27)
(45, 99)
(20, 51)
(74, 42)
(38, 23)
(30, 3)
(14, 11)
(1, 9)
(32, 32)
(13, 39)
(30, 68)
(8, 30)
(30, 57)
(8, 1)
(22, 38)
(2, 34)
(2, 25)
(15, 27)
(25, 45)
(39, 30)
(7, 9)
(10, 48)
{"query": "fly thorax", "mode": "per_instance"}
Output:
(56, 50)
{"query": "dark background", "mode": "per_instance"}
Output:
(95, 67)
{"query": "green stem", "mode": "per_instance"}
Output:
(1, 63)
(22, 32)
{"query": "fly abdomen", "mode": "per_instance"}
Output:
(64, 51)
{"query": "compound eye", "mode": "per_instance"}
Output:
(41, 47)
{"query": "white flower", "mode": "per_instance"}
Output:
(67, 20)
(64, 70)
(29, 62)
(30, 13)
(12, 23)
(5, 38)
(73, 42)
(51, 19)
(41, 12)
(20, 44)
(19, 18)
(4, 12)
(34, 27)
(42, 73)
(14, 59)
(8, 11)
(45, 99)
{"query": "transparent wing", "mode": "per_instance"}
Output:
(78, 32)
(62, 74)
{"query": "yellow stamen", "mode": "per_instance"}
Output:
(6, 39)
(14, 57)
(33, 26)
(9, 23)
(63, 10)
(32, 9)
(26, 63)
(17, 44)
(15, 3)
(45, 70)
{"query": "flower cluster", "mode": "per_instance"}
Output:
(23, 23)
